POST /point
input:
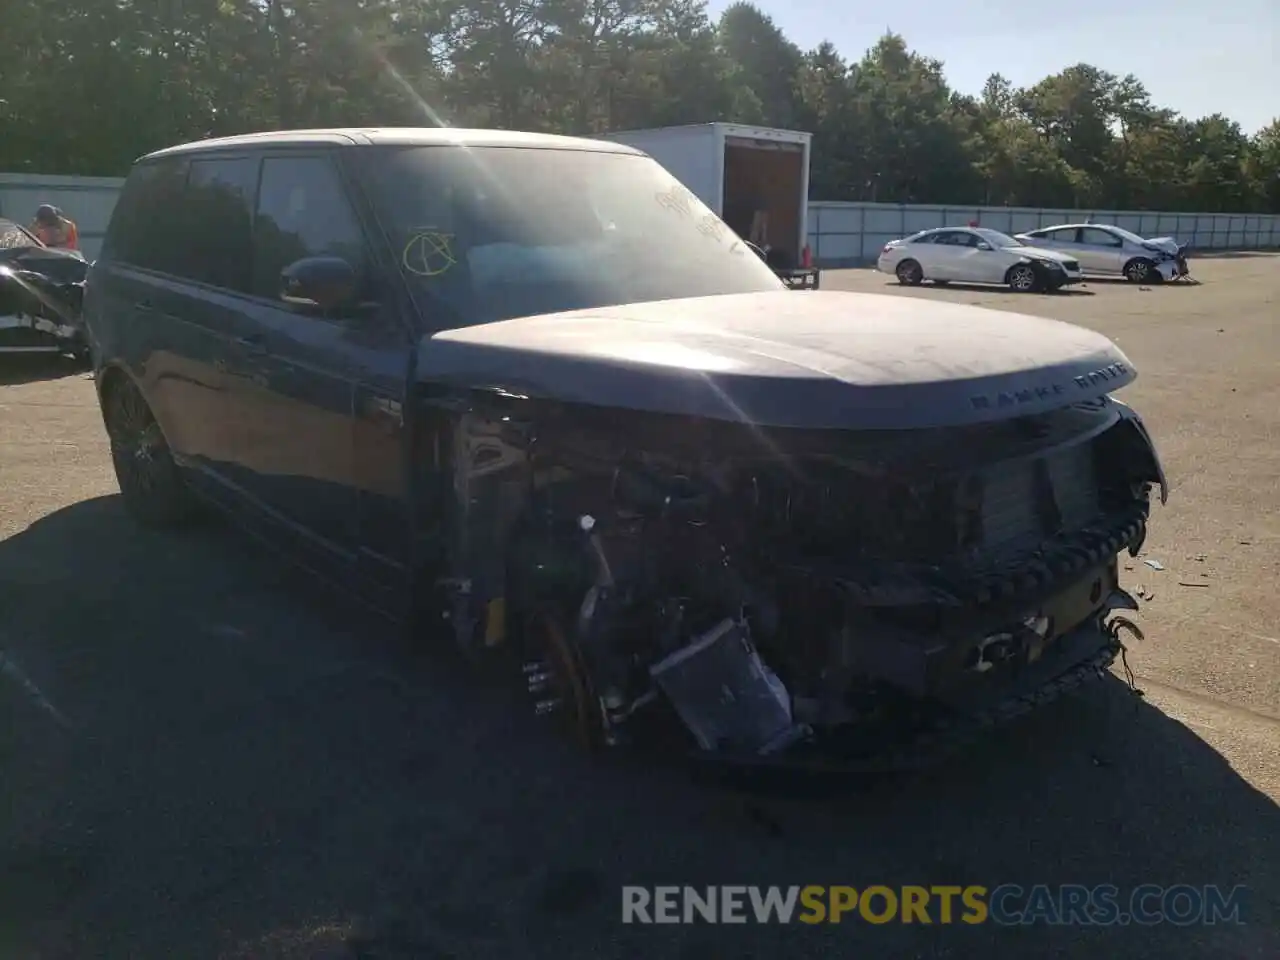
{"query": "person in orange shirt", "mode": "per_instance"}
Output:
(53, 229)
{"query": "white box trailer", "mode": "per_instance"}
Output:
(756, 179)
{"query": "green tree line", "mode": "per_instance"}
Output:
(88, 85)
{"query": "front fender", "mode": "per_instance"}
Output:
(1130, 416)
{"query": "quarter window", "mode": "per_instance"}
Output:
(303, 211)
(147, 226)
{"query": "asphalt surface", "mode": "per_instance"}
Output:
(230, 762)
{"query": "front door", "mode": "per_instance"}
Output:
(1101, 251)
(325, 392)
(944, 257)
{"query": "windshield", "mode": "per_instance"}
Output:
(996, 238)
(494, 233)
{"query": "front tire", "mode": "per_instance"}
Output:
(151, 485)
(909, 273)
(1021, 278)
(1139, 270)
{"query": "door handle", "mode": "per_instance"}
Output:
(143, 306)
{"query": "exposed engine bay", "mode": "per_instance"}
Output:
(763, 591)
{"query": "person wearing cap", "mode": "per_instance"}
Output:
(54, 229)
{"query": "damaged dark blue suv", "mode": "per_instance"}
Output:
(527, 394)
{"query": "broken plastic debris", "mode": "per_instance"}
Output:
(1154, 564)
(1188, 583)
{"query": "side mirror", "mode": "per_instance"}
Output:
(983, 245)
(319, 283)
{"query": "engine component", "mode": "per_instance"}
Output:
(725, 694)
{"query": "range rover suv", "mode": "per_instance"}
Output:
(531, 397)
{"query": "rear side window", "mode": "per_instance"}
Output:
(218, 210)
(146, 226)
(303, 211)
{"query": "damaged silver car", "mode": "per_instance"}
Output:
(502, 387)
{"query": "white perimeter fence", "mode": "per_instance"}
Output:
(86, 200)
(840, 234)
(847, 234)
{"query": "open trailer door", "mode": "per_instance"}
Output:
(755, 178)
(765, 196)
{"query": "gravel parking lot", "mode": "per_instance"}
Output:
(233, 764)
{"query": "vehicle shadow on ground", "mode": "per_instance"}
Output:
(991, 288)
(20, 368)
(1146, 285)
(1232, 254)
(254, 769)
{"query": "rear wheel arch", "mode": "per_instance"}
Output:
(909, 271)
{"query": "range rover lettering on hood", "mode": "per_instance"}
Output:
(1109, 374)
(820, 360)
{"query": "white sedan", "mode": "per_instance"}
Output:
(976, 255)
(1110, 251)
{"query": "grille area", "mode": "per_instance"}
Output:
(1030, 500)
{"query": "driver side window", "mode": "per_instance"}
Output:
(1100, 238)
(303, 211)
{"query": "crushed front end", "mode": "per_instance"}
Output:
(780, 596)
(40, 301)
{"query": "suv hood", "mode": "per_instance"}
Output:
(813, 359)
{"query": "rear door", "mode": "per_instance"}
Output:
(165, 294)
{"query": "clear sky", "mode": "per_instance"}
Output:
(1195, 56)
